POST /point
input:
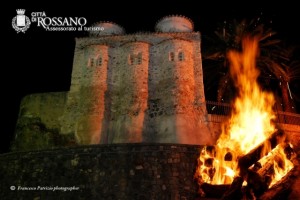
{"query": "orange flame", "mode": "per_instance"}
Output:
(250, 123)
(281, 164)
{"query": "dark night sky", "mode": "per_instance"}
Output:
(41, 61)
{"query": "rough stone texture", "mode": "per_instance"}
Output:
(38, 126)
(148, 97)
(129, 89)
(48, 107)
(116, 171)
(33, 135)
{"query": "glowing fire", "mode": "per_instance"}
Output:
(249, 126)
(281, 164)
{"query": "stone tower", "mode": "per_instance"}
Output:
(131, 88)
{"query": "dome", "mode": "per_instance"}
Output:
(174, 24)
(105, 28)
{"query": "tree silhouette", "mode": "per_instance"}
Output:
(275, 60)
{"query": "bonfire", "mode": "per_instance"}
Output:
(251, 154)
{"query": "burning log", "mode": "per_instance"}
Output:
(260, 176)
(256, 183)
(250, 122)
(281, 189)
(253, 156)
(283, 186)
(234, 191)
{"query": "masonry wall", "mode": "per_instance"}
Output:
(91, 95)
(39, 122)
(137, 93)
(48, 107)
(174, 109)
(152, 99)
(161, 125)
(128, 94)
(124, 171)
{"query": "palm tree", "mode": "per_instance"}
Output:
(274, 60)
(286, 69)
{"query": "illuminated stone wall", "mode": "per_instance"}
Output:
(149, 97)
(48, 107)
(116, 171)
(144, 87)
(128, 94)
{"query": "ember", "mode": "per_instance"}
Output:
(250, 151)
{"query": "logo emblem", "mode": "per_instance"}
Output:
(21, 22)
